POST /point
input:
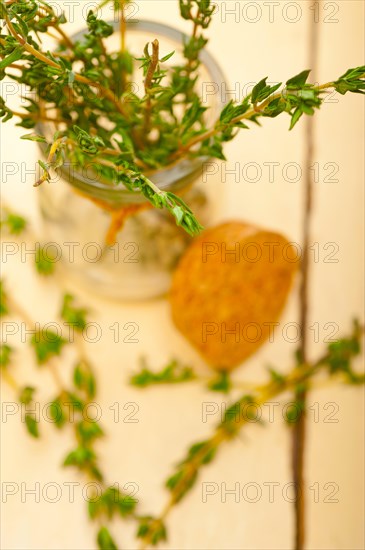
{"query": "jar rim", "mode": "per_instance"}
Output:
(181, 172)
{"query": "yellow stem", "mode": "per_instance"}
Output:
(10, 380)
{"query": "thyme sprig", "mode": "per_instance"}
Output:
(66, 409)
(337, 360)
(173, 373)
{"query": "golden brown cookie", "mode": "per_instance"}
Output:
(229, 288)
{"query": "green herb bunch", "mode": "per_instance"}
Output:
(71, 395)
(101, 120)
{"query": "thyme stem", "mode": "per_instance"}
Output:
(108, 94)
(216, 129)
(148, 84)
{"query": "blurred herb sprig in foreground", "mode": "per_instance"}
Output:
(111, 502)
(335, 362)
(67, 408)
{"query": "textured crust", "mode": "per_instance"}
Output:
(223, 302)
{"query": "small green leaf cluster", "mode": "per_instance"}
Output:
(84, 379)
(5, 112)
(73, 315)
(5, 355)
(200, 13)
(152, 529)
(222, 383)
(64, 406)
(237, 414)
(84, 459)
(341, 354)
(262, 91)
(111, 502)
(351, 81)
(13, 223)
(44, 261)
(88, 144)
(46, 344)
(26, 397)
(6, 351)
(277, 377)
(4, 310)
(105, 540)
(173, 373)
(97, 27)
(184, 478)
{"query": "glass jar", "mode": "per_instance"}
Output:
(78, 210)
